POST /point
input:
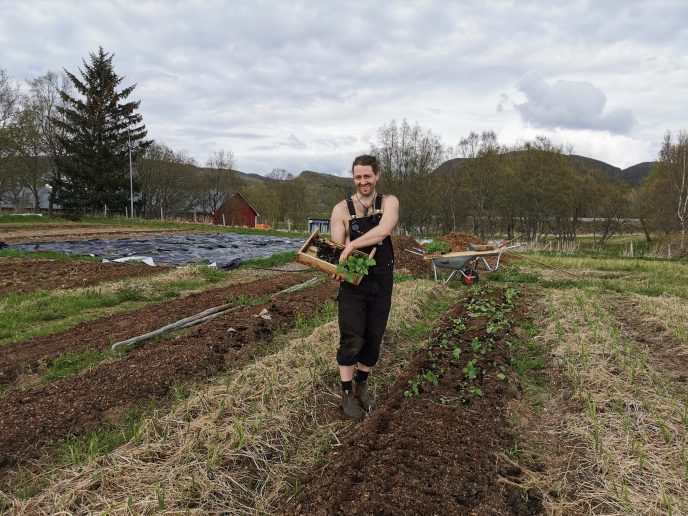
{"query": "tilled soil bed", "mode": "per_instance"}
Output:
(28, 357)
(435, 449)
(23, 275)
(27, 233)
(104, 394)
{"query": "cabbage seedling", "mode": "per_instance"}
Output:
(354, 266)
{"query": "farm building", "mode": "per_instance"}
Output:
(237, 211)
(321, 224)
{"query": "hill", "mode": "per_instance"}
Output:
(634, 175)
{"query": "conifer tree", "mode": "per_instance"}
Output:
(95, 130)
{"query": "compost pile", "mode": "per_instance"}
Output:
(405, 261)
(460, 241)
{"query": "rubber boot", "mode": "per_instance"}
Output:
(350, 408)
(363, 395)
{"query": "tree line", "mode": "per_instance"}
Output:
(77, 132)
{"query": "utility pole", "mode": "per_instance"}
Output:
(131, 177)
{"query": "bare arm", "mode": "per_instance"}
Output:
(338, 221)
(338, 224)
(390, 216)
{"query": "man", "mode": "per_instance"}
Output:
(363, 221)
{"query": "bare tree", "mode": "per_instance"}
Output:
(480, 176)
(408, 156)
(218, 180)
(674, 171)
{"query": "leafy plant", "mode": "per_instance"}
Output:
(438, 247)
(355, 266)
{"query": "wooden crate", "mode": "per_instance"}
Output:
(306, 256)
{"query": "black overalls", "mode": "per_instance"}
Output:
(363, 309)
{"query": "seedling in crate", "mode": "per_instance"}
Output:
(355, 266)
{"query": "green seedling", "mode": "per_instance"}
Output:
(438, 247)
(470, 370)
(355, 266)
(431, 377)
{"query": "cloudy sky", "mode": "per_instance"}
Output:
(306, 84)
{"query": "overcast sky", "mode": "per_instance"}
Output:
(305, 85)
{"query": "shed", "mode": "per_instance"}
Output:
(321, 224)
(237, 211)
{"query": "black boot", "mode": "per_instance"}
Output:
(350, 408)
(363, 395)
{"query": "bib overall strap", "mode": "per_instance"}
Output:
(352, 209)
(378, 203)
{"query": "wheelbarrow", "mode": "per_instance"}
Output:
(465, 263)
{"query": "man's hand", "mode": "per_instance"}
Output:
(337, 277)
(346, 253)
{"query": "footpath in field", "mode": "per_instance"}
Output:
(433, 445)
(104, 394)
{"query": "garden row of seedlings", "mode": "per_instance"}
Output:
(449, 350)
(628, 440)
(432, 444)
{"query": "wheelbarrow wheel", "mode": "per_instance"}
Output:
(469, 277)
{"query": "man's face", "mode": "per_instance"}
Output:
(365, 179)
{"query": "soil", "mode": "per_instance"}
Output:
(30, 356)
(409, 263)
(415, 455)
(82, 403)
(460, 241)
(23, 275)
(26, 233)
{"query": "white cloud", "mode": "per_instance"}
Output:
(310, 82)
(569, 104)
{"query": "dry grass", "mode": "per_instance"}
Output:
(231, 448)
(627, 445)
(673, 311)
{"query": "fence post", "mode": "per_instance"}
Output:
(126, 212)
(194, 216)
(162, 217)
(223, 219)
(105, 211)
(631, 249)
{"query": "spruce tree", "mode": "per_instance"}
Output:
(95, 130)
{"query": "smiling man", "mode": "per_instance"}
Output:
(363, 221)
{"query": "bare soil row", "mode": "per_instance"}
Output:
(25, 358)
(35, 416)
(24, 275)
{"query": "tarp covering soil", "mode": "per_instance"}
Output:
(23, 275)
(105, 393)
(225, 249)
(419, 455)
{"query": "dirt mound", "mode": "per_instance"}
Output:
(405, 261)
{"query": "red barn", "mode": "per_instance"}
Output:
(237, 211)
